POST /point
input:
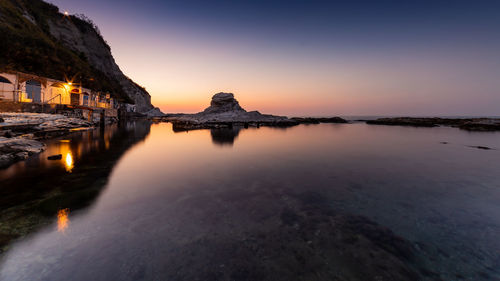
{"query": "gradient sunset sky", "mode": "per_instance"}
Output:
(308, 57)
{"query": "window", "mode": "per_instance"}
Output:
(85, 99)
(34, 90)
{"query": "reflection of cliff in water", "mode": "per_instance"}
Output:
(32, 192)
(224, 136)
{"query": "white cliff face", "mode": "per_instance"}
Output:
(99, 56)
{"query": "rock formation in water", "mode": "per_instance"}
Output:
(318, 120)
(38, 39)
(225, 111)
(470, 124)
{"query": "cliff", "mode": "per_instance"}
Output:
(37, 38)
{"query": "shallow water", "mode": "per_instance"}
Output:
(195, 205)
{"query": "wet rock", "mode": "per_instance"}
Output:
(55, 157)
(406, 121)
(307, 245)
(481, 125)
(155, 112)
(17, 149)
(469, 124)
(20, 127)
(27, 122)
(314, 120)
(6, 133)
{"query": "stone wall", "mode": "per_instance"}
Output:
(8, 106)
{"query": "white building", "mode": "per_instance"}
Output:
(21, 87)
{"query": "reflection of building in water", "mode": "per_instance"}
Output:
(28, 181)
(67, 155)
(75, 146)
(224, 136)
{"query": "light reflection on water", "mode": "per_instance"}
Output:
(71, 148)
(68, 162)
(63, 220)
(175, 194)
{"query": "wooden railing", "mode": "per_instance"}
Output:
(60, 99)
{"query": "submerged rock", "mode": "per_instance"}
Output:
(55, 157)
(406, 121)
(480, 147)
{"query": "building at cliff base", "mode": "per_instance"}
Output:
(26, 88)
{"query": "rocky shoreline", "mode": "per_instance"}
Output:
(469, 124)
(225, 112)
(21, 134)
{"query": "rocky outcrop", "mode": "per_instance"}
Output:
(40, 121)
(224, 102)
(225, 112)
(155, 112)
(481, 125)
(470, 124)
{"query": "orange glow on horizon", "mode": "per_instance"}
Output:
(266, 104)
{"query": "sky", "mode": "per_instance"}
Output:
(308, 58)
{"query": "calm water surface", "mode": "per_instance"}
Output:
(234, 205)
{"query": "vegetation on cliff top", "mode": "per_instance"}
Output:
(28, 46)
